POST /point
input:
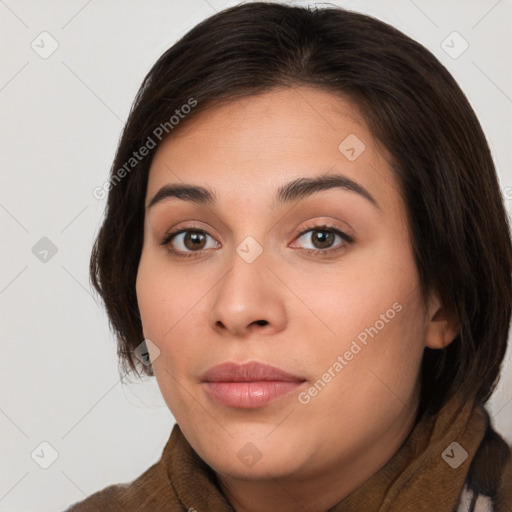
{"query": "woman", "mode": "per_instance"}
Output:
(304, 225)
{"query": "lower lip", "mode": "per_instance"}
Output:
(249, 395)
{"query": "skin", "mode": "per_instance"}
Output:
(204, 310)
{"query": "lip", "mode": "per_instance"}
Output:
(250, 385)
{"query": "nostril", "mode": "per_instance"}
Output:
(261, 322)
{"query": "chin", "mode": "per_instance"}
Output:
(251, 457)
(268, 469)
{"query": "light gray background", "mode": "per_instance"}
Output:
(60, 121)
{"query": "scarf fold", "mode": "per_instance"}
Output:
(440, 459)
(452, 462)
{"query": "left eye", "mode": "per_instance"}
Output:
(323, 238)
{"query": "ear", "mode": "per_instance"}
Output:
(441, 328)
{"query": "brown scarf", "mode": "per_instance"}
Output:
(419, 477)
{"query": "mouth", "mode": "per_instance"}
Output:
(250, 385)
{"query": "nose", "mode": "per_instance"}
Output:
(248, 300)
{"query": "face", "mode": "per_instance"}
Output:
(301, 259)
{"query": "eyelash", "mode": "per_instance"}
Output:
(347, 239)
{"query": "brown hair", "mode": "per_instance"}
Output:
(413, 106)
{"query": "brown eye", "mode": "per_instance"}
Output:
(194, 240)
(324, 239)
(189, 241)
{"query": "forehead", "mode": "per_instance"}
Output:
(260, 142)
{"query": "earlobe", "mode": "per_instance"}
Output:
(441, 328)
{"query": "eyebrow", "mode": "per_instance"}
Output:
(292, 191)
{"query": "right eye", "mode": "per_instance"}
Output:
(186, 242)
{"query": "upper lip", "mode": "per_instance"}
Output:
(247, 372)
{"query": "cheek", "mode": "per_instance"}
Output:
(372, 314)
(392, 347)
(374, 360)
(171, 308)
(353, 295)
(163, 305)
(164, 297)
